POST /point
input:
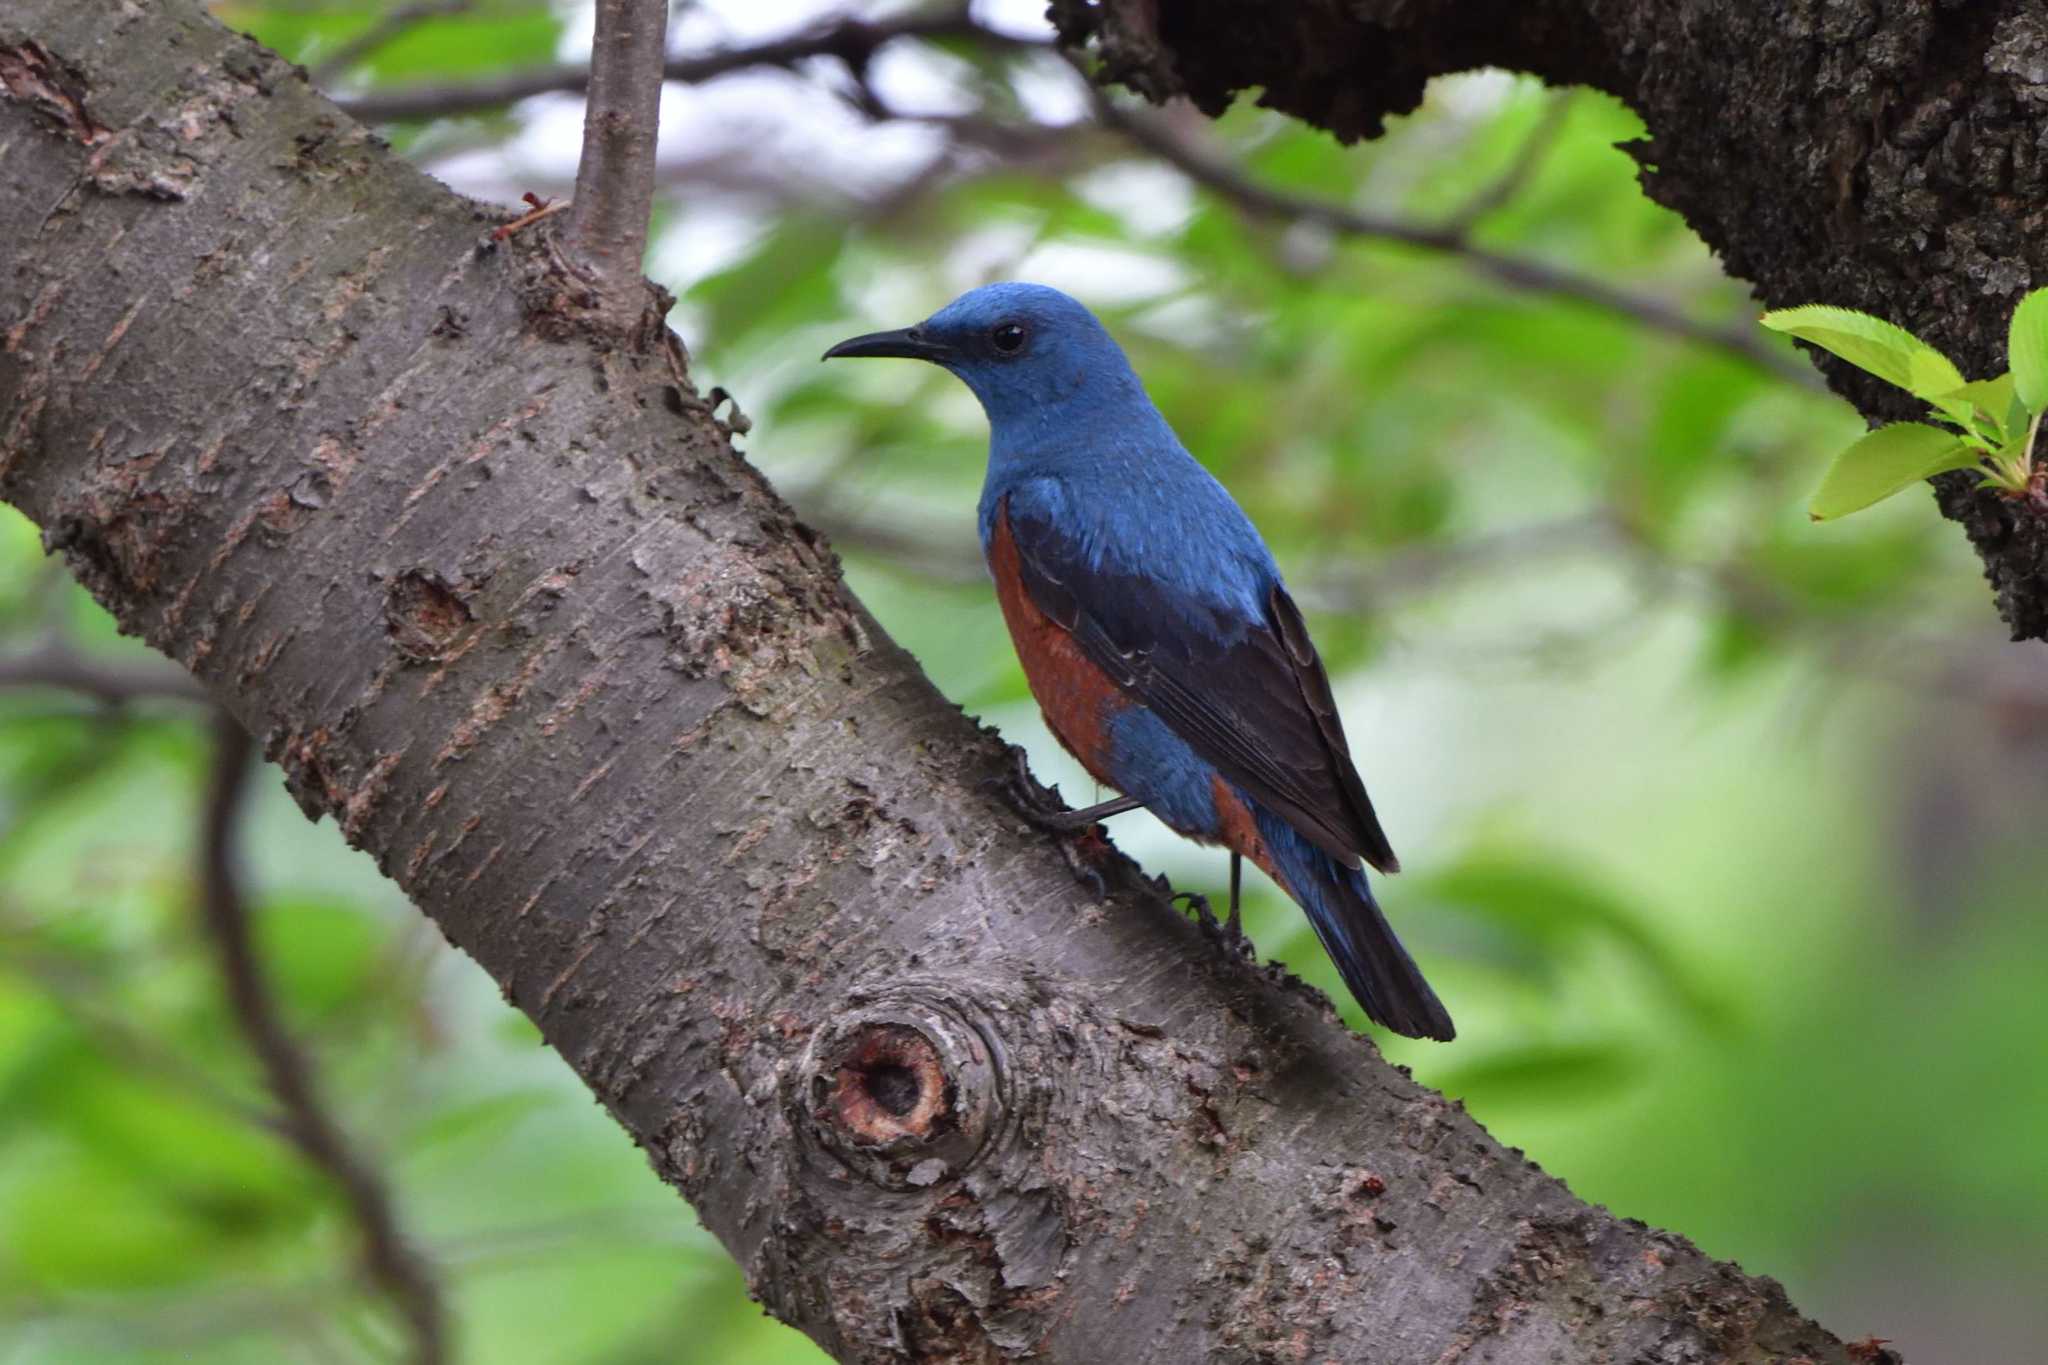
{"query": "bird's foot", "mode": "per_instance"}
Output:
(1039, 804)
(1236, 940)
(1043, 809)
(1043, 806)
(1228, 934)
(1205, 914)
(1076, 853)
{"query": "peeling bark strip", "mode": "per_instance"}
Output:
(504, 603)
(1887, 157)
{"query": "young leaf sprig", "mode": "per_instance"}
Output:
(1988, 426)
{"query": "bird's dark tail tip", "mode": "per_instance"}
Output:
(1370, 958)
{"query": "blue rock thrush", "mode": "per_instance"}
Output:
(1154, 628)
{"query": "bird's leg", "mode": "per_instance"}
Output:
(1236, 922)
(1233, 929)
(1087, 815)
(1042, 806)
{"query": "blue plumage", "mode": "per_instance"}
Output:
(1154, 626)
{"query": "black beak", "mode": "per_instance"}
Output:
(909, 343)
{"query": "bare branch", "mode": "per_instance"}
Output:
(852, 41)
(55, 664)
(389, 1261)
(396, 23)
(606, 232)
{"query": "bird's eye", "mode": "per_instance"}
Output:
(1008, 337)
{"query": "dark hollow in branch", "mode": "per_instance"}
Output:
(389, 1261)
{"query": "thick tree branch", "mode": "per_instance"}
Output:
(605, 234)
(390, 1263)
(503, 602)
(1887, 158)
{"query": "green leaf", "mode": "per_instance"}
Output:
(2027, 348)
(1982, 404)
(1883, 462)
(1890, 352)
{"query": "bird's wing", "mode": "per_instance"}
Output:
(1250, 697)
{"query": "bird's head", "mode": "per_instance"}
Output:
(1023, 349)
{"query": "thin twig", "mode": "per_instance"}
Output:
(606, 231)
(88, 1004)
(389, 1261)
(55, 664)
(396, 23)
(852, 41)
(1528, 158)
(1151, 133)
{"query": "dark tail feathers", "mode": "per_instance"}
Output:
(1357, 937)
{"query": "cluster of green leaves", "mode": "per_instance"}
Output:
(1985, 425)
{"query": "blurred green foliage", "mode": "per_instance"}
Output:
(1723, 829)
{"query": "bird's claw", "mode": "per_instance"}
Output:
(1205, 914)
(1228, 934)
(1084, 872)
(1042, 808)
(1039, 804)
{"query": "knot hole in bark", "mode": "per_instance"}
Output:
(890, 1084)
(903, 1091)
(425, 615)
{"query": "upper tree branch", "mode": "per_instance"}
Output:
(606, 230)
(288, 1071)
(1885, 158)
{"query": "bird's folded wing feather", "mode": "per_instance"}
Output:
(1250, 697)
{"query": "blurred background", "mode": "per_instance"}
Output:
(1724, 830)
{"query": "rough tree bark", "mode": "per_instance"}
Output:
(500, 598)
(1890, 157)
